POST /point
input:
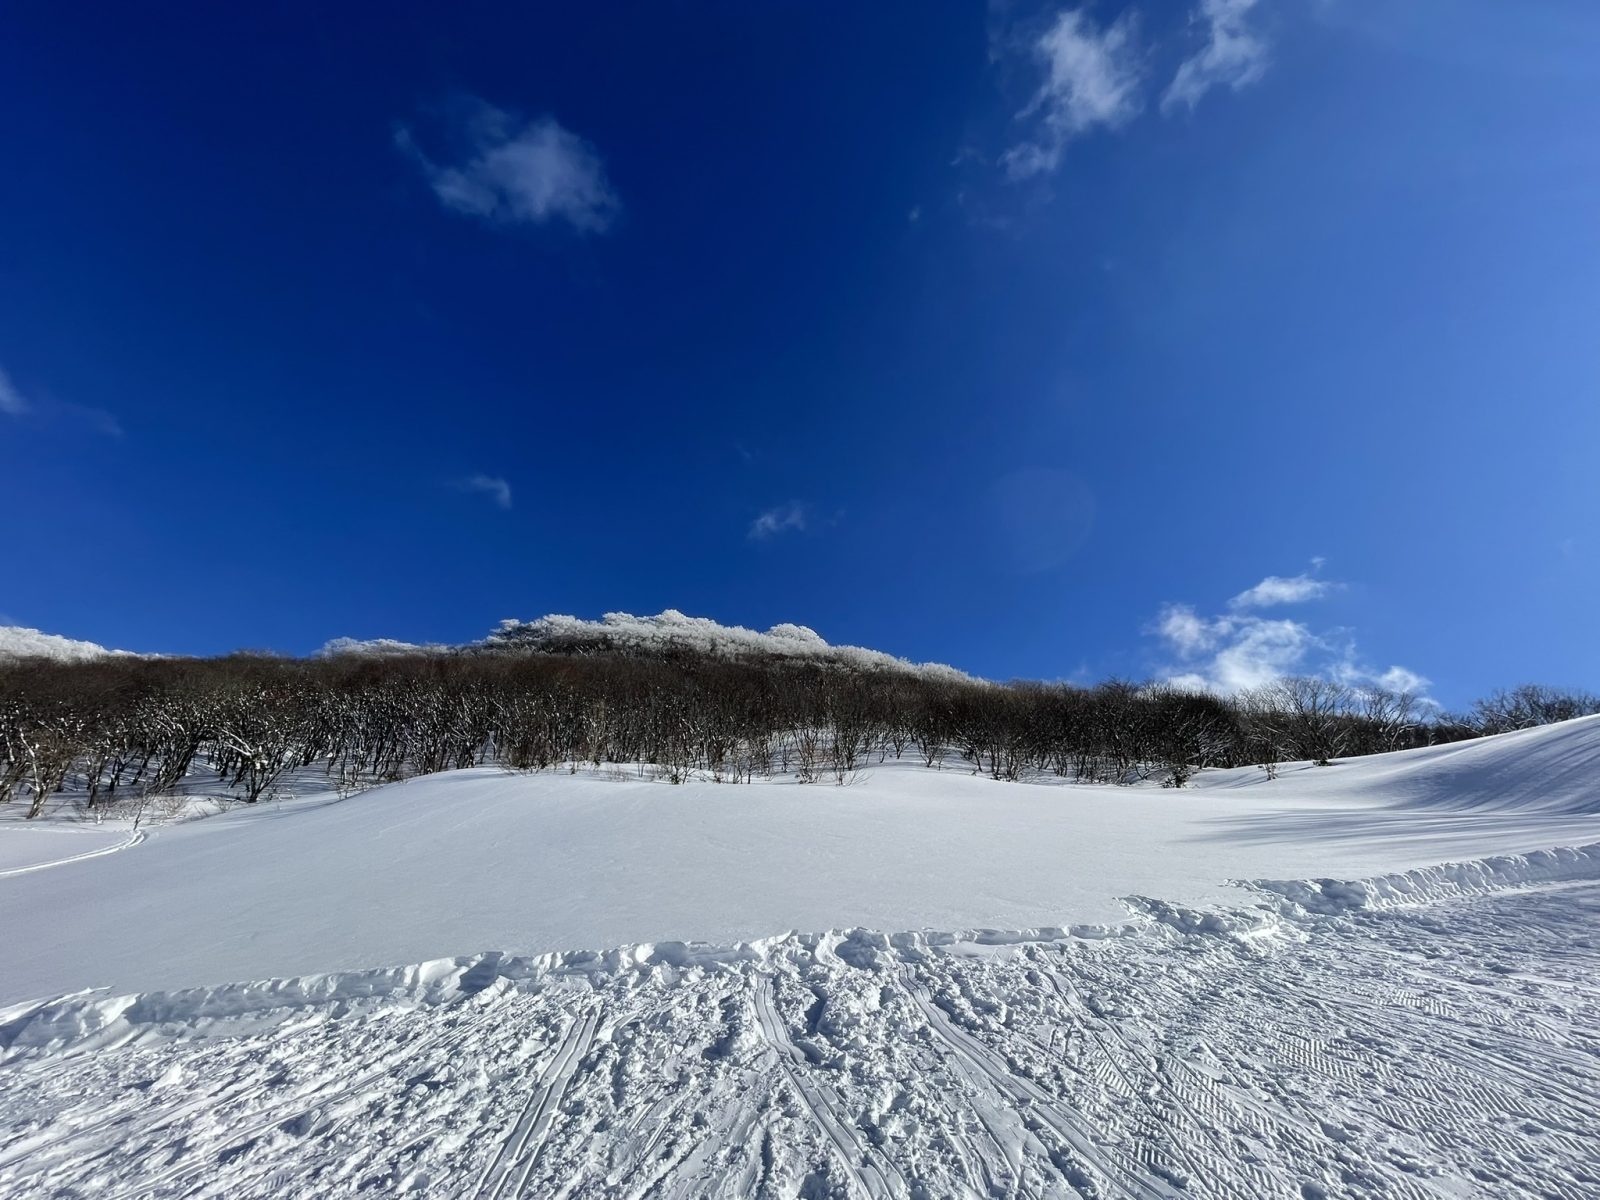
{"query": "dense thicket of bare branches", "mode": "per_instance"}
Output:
(1529, 705)
(122, 726)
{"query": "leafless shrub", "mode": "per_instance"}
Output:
(115, 728)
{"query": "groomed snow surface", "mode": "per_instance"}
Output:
(1350, 1018)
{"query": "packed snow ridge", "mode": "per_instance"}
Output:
(665, 634)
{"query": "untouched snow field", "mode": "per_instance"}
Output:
(1351, 1022)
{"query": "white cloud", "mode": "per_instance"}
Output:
(1276, 589)
(1240, 649)
(1398, 679)
(1185, 631)
(520, 172)
(1229, 653)
(11, 402)
(1092, 79)
(793, 516)
(490, 485)
(1233, 56)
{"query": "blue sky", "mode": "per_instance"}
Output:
(1026, 338)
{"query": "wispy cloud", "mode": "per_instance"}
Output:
(11, 402)
(1279, 589)
(493, 486)
(512, 172)
(1240, 649)
(1092, 79)
(1232, 56)
(55, 412)
(97, 420)
(792, 517)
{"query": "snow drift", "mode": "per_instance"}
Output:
(1447, 881)
(1550, 769)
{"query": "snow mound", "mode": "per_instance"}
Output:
(18, 641)
(1553, 768)
(1549, 770)
(1335, 897)
(93, 1020)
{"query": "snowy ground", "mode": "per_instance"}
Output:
(481, 860)
(28, 848)
(1446, 1049)
(1428, 1033)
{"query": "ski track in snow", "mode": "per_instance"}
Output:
(520, 1152)
(131, 839)
(1443, 1048)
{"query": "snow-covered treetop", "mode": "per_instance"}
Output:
(672, 631)
(378, 647)
(665, 633)
(18, 641)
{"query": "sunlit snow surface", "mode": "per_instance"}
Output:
(1429, 1032)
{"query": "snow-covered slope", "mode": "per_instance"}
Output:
(1551, 769)
(486, 860)
(1425, 1053)
(18, 641)
(1313, 1033)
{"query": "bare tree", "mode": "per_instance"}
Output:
(1315, 711)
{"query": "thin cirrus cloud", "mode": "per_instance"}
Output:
(96, 420)
(492, 486)
(511, 171)
(1241, 648)
(1094, 76)
(1092, 79)
(1233, 55)
(11, 402)
(792, 517)
(14, 404)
